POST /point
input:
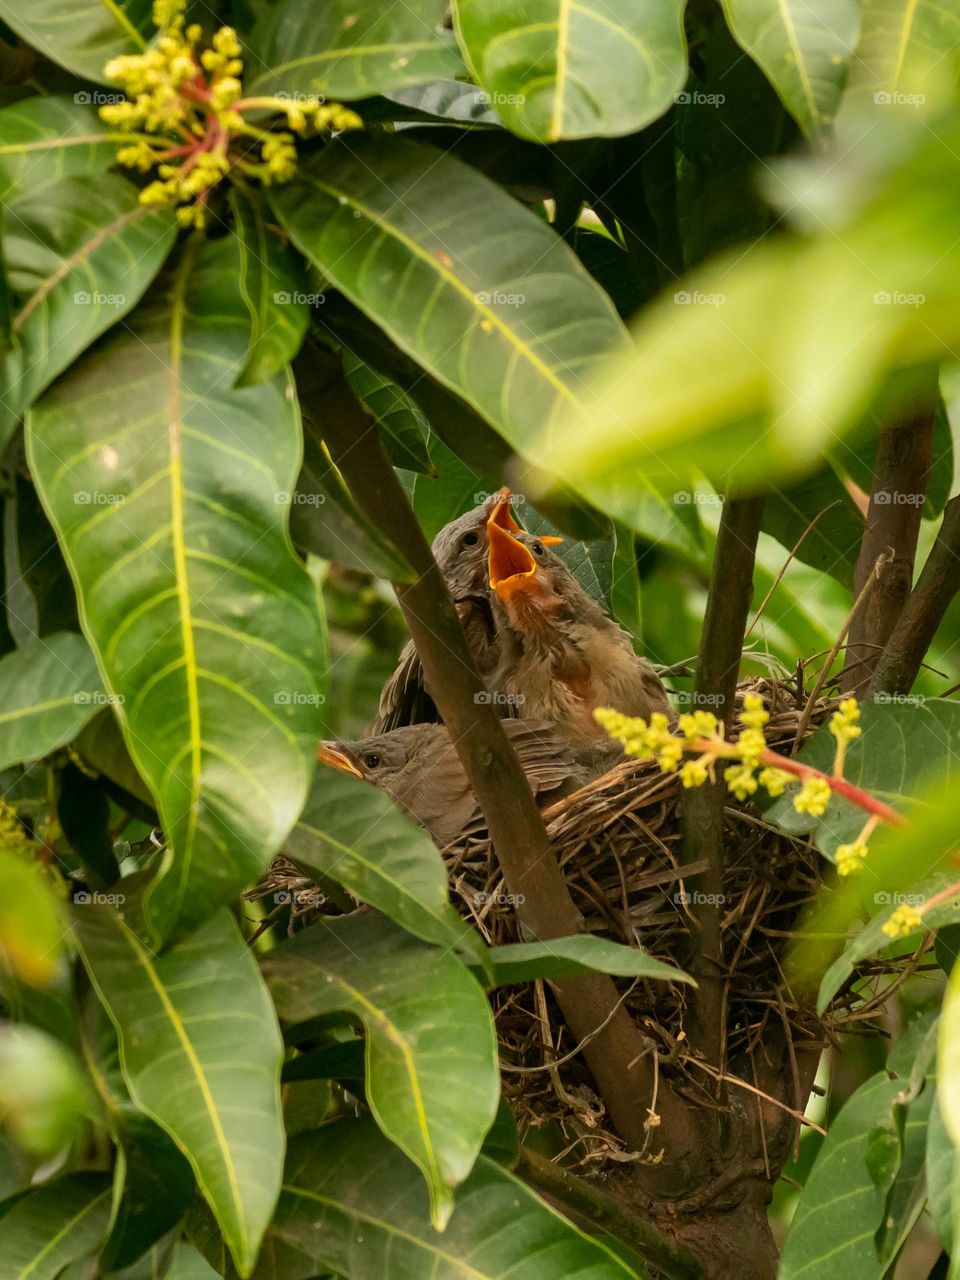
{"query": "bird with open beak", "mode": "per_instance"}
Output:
(418, 767)
(561, 656)
(460, 550)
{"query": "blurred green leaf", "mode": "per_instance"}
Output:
(943, 1179)
(902, 44)
(432, 1083)
(342, 51)
(804, 47)
(575, 70)
(204, 622)
(52, 1225)
(208, 1073)
(355, 834)
(48, 692)
(44, 1094)
(350, 1205)
(820, 516)
(93, 35)
(46, 139)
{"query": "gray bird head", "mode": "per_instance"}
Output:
(460, 548)
(389, 761)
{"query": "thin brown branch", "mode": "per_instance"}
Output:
(602, 1211)
(546, 910)
(900, 475)
(939, 581)
(715, 687)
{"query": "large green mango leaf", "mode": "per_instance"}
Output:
(208, 1071)
(432, 1071)
(904, 741)
(79, 255)
(48, 692)
(52, 1225)
(804, 47)
(349, 1205)
(355, 835)
(498, 309)
(839, 1211)
(575, 68)
(94, 33)
(344, 50)
(45, 139)
(202, 620)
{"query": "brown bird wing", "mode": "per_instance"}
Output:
(546, 757)
(404, 699)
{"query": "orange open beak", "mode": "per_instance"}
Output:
(502, 515)
(512, 566)
(330, 753)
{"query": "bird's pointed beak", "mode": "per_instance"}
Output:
(501, 513)
(512, 566)
(332, 754)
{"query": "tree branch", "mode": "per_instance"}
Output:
(670, 1259)
(939, 582)
(900, 475)
(619, 1056)
(701, 810)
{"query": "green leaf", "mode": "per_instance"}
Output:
(819, 515)
(831, 1235)
(432, 1082)
(901, 45)
(208, 1072)
(48, 691)
(343, 50)
(349, 1205)
(943, 1178)
(948, 1063)
(52, 1225)
(203, 621)
(79, 255)
(30, 929)
(403, 425)
(575, 68)
(273, 288)
(871, 938)
(354, 834)
(904, 741)
(804, 47)
(569, 957)
(45, 139)
(500, 311)
(94, 34)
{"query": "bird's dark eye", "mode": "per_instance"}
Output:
(471, 539)
(538, 548)
(371, 761)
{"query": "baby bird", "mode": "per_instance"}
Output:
(460, 550)
(560, 656)
(418, 767)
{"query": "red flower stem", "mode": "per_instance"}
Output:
(949, 892)
(862, 799)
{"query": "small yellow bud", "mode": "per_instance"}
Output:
(903, 921)
(850, 857)
(694, 773)
(754, 714)
(774, 780)
(740, 780)
(813, 797)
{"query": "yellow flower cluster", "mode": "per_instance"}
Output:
(186, 116)
(701, 736)
(845, 726)
(850, 857)
(12, 835)
(903, 921)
